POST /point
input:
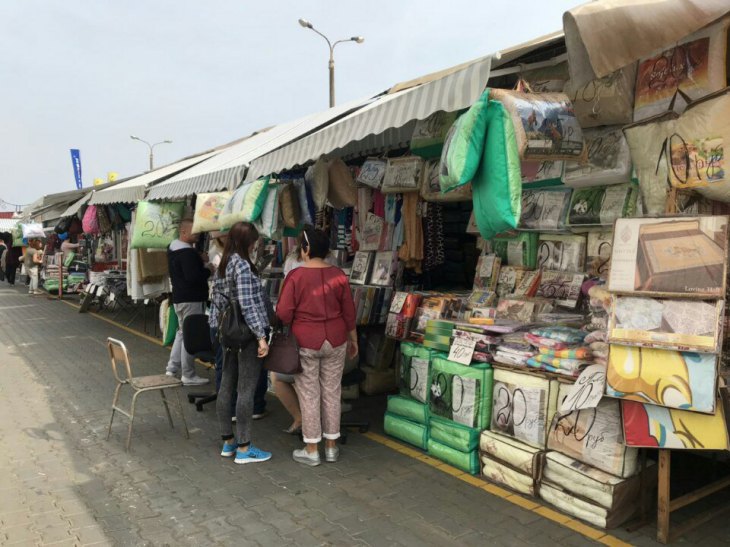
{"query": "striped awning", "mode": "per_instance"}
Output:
(456, 90)
(133, 189)
(75, 207)
(227, 170)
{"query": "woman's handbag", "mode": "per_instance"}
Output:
(283, 357)
(233, 332)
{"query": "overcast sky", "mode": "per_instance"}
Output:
(88, 73)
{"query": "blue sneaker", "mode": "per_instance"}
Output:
(229, 449)
(252, 455)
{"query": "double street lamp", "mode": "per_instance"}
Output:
(151, 147)
(357, 39)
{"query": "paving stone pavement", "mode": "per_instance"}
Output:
(64, 484)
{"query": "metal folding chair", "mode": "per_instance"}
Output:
(140, 384)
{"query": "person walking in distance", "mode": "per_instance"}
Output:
(3, 258)
(32, 260)
(12, 261)
(189, 278)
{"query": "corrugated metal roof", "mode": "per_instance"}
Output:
(226, 170)
(75, 207)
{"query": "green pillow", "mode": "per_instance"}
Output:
(497, 184)
(156, 224)
(464, 145)
(456, 436)
(246, 203)
(406, 430)
(408, 408)
(466, 461)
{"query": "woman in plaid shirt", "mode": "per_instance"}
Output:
(241, 368)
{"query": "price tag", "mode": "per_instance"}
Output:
(462, 350)
(587, 390)
(487, 266)
(398, 302)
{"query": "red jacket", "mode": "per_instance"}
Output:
(317, 302)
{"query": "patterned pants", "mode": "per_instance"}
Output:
(318, 388)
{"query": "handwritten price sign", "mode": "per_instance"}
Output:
(587, 390)
(462, 350)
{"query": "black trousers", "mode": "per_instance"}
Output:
(10, 274)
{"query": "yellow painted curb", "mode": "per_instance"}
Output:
(524, 503)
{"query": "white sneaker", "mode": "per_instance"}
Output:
(194, 381)
(302, 456)
(170, 373)
(331, 455)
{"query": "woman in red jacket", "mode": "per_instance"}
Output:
(317, 302)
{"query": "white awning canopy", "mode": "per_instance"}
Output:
(132, 190)
(7, 224)
(227, 170)
(75, 207)
(606, 35)
(454, 91)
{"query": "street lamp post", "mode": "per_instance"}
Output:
(357, 39)
(151, 147)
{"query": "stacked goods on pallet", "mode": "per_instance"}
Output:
(460, 406)
(509, 462)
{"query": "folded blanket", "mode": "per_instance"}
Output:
(524, 350)
(599, 346)
(540, 341)
(564, 364)
(562, 334)
(597, 336)
(569, 353)
(507, 359)
(542, 366)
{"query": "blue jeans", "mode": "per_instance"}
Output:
(259, 397)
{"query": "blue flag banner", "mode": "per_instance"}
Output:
(76, 161)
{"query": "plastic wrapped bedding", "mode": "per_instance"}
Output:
(520, 456)
(466, 461)
(456, 436)
(605, 101)
(502, 474)
(609, 160)
(577, 507)
(593, 436)
(415, 371)
(696, 64)
(408, 409)
(588, 482)
(460, 393)
(406, 430)
(523, 405)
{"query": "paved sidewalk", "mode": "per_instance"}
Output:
(68, 486)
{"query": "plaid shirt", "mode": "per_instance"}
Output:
(246, 288)
(218, 299)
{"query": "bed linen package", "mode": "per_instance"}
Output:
(696, 65)
(408, 409)
(406, 430)
(613, 498)
(545, 125)
(564, 253)
(605, 101)
(461, 393)
(593, 436)
(523, 406)
(545, 209)
(156, 224)
(608, 160)
(541, 174)
(590, 512)
(456, 436)
(466, 461)
(431, 187)
(517, 250)
(414, 379)
(519, 456)
(429, 135)
(499, 473)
